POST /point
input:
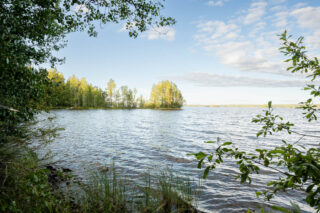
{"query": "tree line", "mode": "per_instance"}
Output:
(78, 93)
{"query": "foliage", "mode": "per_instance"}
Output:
(32, 30)
(298, 166)
(21, 95)
(164, 192)
(24, 184)
(166, 95)
(78, 93)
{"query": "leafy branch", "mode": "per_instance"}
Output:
(298, 167)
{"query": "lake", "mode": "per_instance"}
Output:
(142, 139)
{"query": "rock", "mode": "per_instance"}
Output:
(66, 170)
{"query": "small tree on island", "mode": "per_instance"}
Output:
(298, 167)
(165, 95)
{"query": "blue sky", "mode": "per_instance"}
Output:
(219, 52)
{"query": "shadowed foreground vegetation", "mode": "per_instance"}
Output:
(29, 186)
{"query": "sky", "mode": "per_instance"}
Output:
(218, 52)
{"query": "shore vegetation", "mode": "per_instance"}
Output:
(76, 93)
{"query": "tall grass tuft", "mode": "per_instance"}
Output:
(104, 192)
(163, 192)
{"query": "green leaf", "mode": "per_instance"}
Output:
(258, 194)
(281, 209)
(276, 151)
(200, 155)
(206, 172)
(226, 143)
(309, 188)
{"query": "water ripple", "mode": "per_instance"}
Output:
(139, 140)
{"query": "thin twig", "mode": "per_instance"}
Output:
(9, 108)
(305, 135)
(285, 173)
(298, 140)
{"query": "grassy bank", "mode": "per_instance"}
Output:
(29, 186)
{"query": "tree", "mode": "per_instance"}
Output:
(83, 92)
(111, 90)
(32, 30)
(57, 91)
(73, 88)
(124, 96)
(117, 97)
(165, 95)
(298, 167)
(141, 102)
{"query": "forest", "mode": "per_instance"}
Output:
(75, 93)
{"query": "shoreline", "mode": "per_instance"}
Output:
(289, 106)
(107, 108)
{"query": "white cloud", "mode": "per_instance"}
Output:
(216, 3)
(211, 33)
(308, 17)
(257, 28)
(255, 55)
(281, 19)
(250, 43)
(277, 1)
(216, 80)
(313, 41)
(256, 11)
(165, 33)
(81, 8)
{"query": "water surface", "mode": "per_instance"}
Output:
(143, 139)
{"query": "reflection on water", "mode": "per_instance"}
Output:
(138, 140)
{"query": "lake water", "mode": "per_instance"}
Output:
(142, 139)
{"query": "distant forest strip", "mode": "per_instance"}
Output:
(254, 105)
(75, 93)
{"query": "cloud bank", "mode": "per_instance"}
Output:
(216, 80)
(249, 43)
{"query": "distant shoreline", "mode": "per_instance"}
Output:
(251, 105)
(108, 108)
(288, 106)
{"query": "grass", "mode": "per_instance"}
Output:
(163, 192)
(25, 187)
(24, 184)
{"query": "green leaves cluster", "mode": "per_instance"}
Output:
(298, 167)
(166, 94)
(77, 93)
(272, 123)
(25, 185)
